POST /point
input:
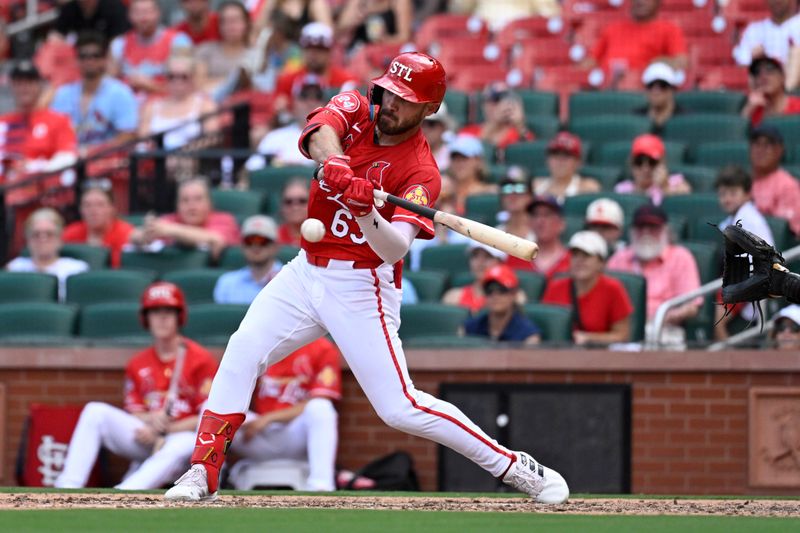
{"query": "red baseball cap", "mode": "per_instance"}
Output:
(501, 274)
(649, 145)
(565, 141)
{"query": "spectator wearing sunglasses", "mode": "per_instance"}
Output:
(515, 196)
(294, 210)
(564, 153)
(260, 246)
(503, 321)
(661, 82)
(786, 330)
(768, 98)
(650, 174)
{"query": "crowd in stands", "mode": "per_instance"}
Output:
(597, 185)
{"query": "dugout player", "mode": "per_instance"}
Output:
(157, 439)
(347, 284)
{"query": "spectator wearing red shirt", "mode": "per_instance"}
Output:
(601, 306)
(99, 225)
(481, 259)
(294, 210)
(194, 223)
(632, 44)
(768, 97)
(547, 223)
(775, 192)
(503, 118)
(201, 23)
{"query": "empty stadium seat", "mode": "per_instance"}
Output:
(33, 320)
(543, 126)
(532, 284)
(572, 225)
(729, 102)
(588, 103)
(197, 284)
(700, 177)
(555, 321)
(170, 258)
(241, 204)
(781, 233)
(99, 286)
(429, 284)
(117, 320)
(96, 256)
(448, 257)
(483, 208)
(539, 103)
(719, 154)
(695, 205)
(287, 253)
(528, 155)
(27, 287)
(213, 324)
(789, 126)
(694, 129)
(709, 258)
(457, 106)
(424, 319)
(606, 128)
(636, 287)
(232, 258)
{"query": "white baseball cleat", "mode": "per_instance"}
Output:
(543, 484)
(191, 487)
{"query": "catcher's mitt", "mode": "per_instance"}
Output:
(754, 269)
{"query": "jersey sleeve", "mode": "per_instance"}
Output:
(328, 379)
(133, 401)
(422, 189)
(342, 112)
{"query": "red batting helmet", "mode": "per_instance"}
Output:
(163, 294)
(413, 76)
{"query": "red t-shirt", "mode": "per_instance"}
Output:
(606, 303)
(792, 108)
(210, 32)
(287, 236)
(38, 135)
(638, 43)
(510, 136)
(471, 300)
(313, 371)
(562, 265)
(115, 238)
(147, 381)
(407, 170)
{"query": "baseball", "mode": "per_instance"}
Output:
(312, 230)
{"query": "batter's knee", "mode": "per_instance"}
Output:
(399, 419)
(320, 409)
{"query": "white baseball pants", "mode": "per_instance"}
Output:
(361, 310)
(101, 424)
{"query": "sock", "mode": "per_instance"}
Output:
(213, 439)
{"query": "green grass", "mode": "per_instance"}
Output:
(348, 521)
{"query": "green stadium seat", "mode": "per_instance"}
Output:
(692, 206)
(197, 284)
(708, 257)
(711, 101)
(117, 320)
(448, 341)
(27, 287)
(781, 233)
(528, 155)
(461, 279)
(287, 253)
(241, 204)
(34, 320)
(701, 228)
(555, 321)
(701, 178)
(572, 224)
(618, 153)
(489, 153)
(96, 256)
(424, 319)
(213, 324)
(607, 175)
(794, 170)
(104, 286)
(532, 284)
(576, 205)
(719, 154)
(789, 126)
(699, 128)
(429, 284)
(483, 208)
(457, 106)
(170, 258)
(793, 154)
(537, 103)
(270, 180)
(232, 258)
(543, 126)
(636, 287)
(136, 219)
(607, 128)
(447, 257)
(496, 173)
(587, 103)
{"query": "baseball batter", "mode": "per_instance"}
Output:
(156, 437)
(293, 414)
(347, 284)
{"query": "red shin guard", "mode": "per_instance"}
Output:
(213, 439)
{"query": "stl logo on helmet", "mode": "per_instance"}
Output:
(400, 70)
(417, 194)
(160, 293)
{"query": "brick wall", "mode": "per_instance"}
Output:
(689, 415)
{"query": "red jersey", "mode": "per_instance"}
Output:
(208, 33)
(288, 237)
(40, 134)
(792, 108)
(600, 308)
(471, 300)
(407, 170)
(312, 371)
(147, 380)
(115, 238)
(635, 44)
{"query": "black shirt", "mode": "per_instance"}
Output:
(655, 129)
(110, 18)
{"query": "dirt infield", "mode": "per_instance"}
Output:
(628, 506)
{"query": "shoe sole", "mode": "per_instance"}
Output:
(183, 498)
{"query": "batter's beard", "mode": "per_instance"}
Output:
(397, 128)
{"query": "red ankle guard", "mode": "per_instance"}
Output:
(213, 439)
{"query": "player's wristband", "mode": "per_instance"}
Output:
(317, 171)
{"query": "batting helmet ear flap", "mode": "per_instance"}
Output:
(376, 94)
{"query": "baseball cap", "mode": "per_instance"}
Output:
(792, 312)
(605, 211)
(316, 34)
(758, 61)
(501, 274)
(649, 215)
(548, 200)
(260, 225)
(767, 130)
(467, 145)
(649, 145)
(589, 242)
(310, 87)
(442, 116)
(494, 252)
(25, 70)
(565, 141)
(660, 72)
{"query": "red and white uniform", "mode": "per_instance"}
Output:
(311, 374)
(340, 286)
(147, 380)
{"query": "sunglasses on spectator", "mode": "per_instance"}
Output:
(511, 188)
(641, 160)
(661, 84)
(83, 56)
(43, 234)
(787, 325)
(495, 288)
(256, 240)
(181, 76)
(295, 201)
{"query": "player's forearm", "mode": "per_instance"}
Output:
(390, 241)
(323, 143)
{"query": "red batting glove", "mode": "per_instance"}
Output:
(338, 172)
(358, 197)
